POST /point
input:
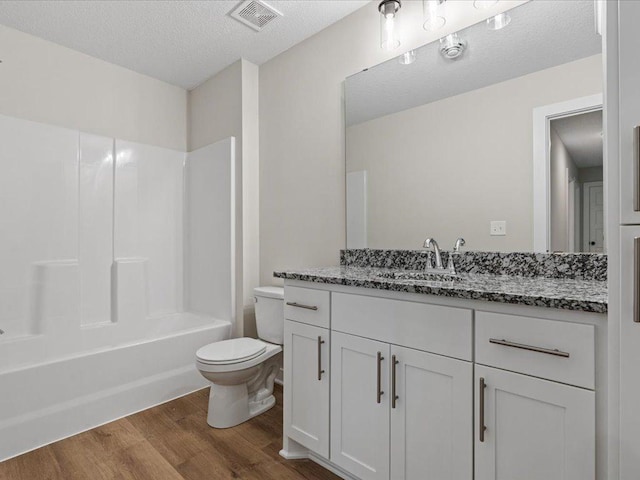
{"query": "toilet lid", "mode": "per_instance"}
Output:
(231, 351)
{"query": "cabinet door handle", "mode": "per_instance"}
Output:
(481, 426)
(394, 396)
(636, 166)
(320, 370)
(300, 305)
(522, 346)
(379, 391)
(636, 279)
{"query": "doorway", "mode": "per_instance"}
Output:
(568, 177)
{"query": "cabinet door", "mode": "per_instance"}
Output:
(432, 417)
(629, 44)
(306, 372)
(630, 356)
(535, 429)
(360, 406)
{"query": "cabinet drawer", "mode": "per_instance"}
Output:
(307, 305)
(431, 328)
(555, 350)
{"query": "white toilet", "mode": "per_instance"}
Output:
(242, 370)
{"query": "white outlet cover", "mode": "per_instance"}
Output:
(498, 228)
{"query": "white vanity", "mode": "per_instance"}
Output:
(393, 385)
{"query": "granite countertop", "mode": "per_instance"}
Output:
(562, 293)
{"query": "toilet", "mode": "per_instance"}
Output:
(242, 370)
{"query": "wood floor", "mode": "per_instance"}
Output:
(172, 442)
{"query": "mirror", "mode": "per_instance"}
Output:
(501, 145)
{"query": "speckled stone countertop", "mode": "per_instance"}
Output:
(563, 293)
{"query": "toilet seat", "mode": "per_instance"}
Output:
(228, 352)
(270, 351)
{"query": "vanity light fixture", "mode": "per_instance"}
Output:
(481, 4)
(433, 17)
(499, 21)
(407, 58)
(451, 46)
(388, 37)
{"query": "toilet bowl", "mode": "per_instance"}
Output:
(242, 371)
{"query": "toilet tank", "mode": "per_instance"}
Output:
(270, 313)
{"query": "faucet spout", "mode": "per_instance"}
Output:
(430, 242)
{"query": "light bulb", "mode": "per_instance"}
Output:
(433, 20)
(480, 4)
(388, 37)
(499, 21)
(408, 58)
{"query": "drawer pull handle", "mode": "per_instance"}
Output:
(636, 162)
(320, 371)
(379, 391)
(481, 426)
(300, 305)
(530, 348)
(394, 396)
(636, 279)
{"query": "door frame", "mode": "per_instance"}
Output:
(586, 213)
(542, 117)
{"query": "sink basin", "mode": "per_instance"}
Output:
(426, 277)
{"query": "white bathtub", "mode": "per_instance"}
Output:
(103, 241)
(46, 395)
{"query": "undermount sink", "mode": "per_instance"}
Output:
(427, 277)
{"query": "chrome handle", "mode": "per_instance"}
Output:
(636, 162)
(394, 397)
(320, 371)
(300, 305)
(379, 391)
(481, 426)
(530, 348)
(636, 279)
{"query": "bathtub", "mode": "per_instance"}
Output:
(106, 246)
(46, 395)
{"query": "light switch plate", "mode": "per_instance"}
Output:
(498, 228)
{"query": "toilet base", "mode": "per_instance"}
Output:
(230, 406)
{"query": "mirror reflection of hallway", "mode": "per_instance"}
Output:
(576, 183)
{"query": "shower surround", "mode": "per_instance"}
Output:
(117, 264)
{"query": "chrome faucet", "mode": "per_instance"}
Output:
(456, 250)
(439, 268)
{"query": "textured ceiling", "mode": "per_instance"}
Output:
(582, 135)
(180, 42)
(542, 34)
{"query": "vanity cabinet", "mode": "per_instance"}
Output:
(534, 429)
(306, 375)
(394, 392)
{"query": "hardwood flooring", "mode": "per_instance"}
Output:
(172, 442)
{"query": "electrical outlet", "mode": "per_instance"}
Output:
(498, 228)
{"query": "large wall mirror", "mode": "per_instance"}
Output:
(501, 145)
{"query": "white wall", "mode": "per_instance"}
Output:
(223, 106)
(444, 169)
(44, 82)
(302, 171)
(561, 170)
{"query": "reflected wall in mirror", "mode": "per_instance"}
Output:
(510, 131)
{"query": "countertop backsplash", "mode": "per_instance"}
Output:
(580, 266)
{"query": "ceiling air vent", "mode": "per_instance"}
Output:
(255, 14)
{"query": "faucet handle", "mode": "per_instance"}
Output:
(459, 243)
